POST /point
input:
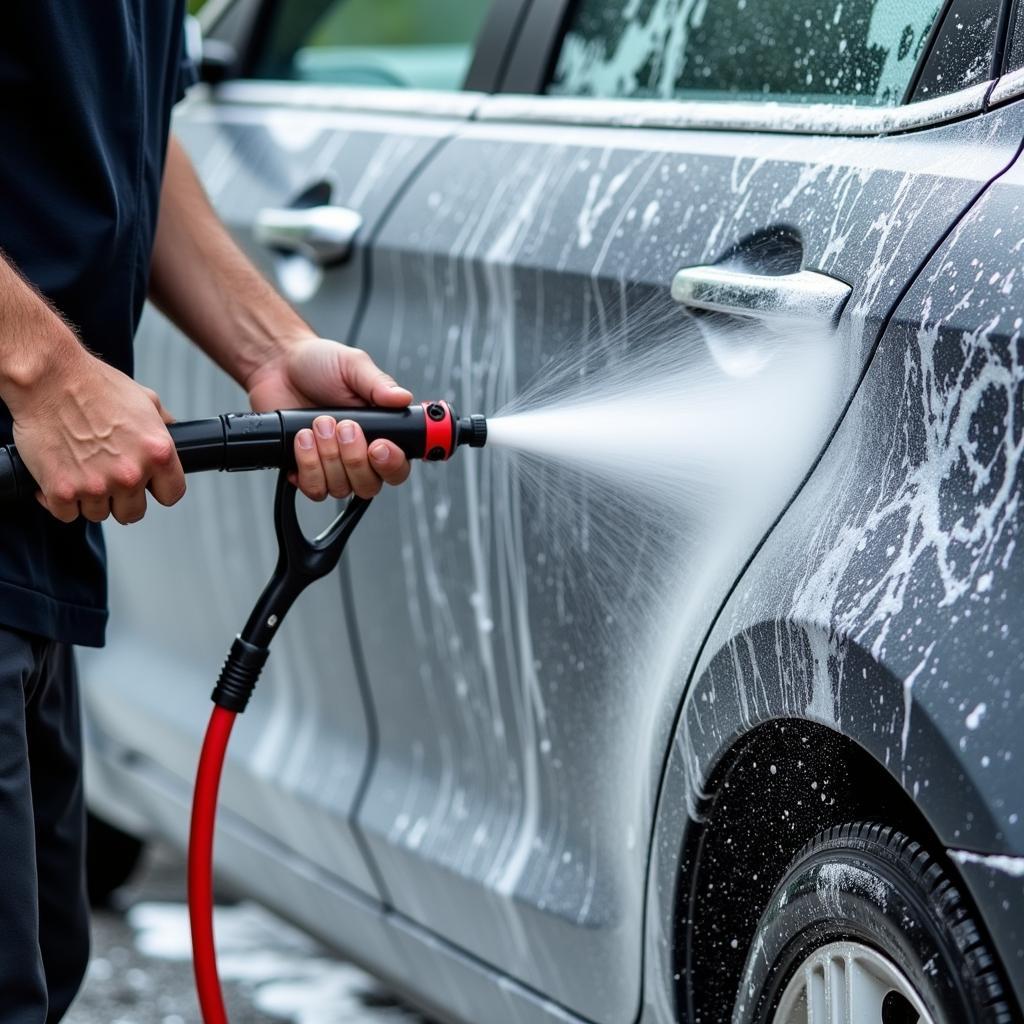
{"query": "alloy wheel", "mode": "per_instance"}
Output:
(850, 983)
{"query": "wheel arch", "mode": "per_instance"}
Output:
(786, 730)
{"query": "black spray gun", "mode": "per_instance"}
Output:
(266, 440)
(246, 441)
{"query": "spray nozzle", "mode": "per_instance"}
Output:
(471, 430)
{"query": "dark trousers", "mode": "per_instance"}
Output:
(44, 918)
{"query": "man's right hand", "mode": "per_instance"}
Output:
(94, 440)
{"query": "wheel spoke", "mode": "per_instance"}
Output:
(817, 997)
(866, 993)
(848, 983)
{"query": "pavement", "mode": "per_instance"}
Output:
(141, 969)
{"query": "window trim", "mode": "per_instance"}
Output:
(1009, 87)
(454, 105)
(495, 44)
(738, 115)
(532, 59)
(521, 98)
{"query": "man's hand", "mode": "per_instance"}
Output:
(332, 458)
(207, 286)
(94, 439)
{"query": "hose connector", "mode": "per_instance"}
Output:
(239, 675)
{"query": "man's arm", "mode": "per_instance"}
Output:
(204, 283)
(93, 439)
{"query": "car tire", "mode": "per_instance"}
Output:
(864, 913)
(111, 857)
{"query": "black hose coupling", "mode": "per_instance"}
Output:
(239, 675)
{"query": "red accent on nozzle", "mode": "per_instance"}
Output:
(440, 431)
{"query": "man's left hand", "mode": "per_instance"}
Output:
(333, 457)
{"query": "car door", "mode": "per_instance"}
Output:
(526, 670)
(329, 109)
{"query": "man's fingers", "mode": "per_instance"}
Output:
(129, 506)
(65, 511)
(310, 476)
(95, 509)
(361, 474)
(325, 431)
(389, 462)
(371, 383)
(167, 484)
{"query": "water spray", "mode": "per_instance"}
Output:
(249, 441)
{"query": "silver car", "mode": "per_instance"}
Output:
(548, 749)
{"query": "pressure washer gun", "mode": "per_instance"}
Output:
(266, 440)
(248, 441)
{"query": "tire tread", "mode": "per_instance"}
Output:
(925, 873)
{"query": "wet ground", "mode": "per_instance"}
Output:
(141, 972)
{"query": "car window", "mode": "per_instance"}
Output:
(963, 51)
(410, 44)
(838, 51)
(1015, 44)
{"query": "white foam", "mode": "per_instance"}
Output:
(1013, 866)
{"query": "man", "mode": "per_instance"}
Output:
(96, 209)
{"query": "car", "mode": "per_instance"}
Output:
(548, 748)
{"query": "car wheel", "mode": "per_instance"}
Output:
(111, 857)
(867, 928)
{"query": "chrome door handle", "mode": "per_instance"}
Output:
(323, 234)
(805, 295)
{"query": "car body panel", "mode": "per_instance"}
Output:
(297, 760)
(885, 604)
(527, 792)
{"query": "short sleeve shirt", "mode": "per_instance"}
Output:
(86, 92)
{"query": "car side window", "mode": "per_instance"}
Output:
(834, 51)
(1015, 43)
(411, 44)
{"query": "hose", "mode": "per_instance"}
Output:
(200, 865)
(301, 561)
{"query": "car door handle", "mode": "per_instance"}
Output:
(805, 295)
(325, 235)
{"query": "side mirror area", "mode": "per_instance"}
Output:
(215, 59)
(218, 61)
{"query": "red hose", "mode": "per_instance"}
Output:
(200, 866)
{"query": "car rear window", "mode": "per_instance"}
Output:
(410, 44)
(836, 51)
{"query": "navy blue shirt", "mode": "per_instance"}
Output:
(86, 91)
